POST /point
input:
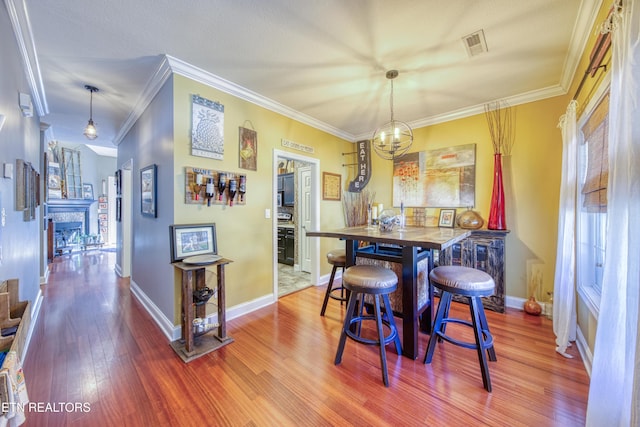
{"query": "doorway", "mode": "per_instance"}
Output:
(296, 263)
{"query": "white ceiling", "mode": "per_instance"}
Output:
(321, 61)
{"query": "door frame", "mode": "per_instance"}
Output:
(315, 214)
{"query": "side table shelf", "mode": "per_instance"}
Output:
(193, 278)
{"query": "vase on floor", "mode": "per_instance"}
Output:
(531, 306)
(497, 211)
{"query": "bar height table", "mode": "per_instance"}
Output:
(414, 243)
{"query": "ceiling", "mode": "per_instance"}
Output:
(320, 61)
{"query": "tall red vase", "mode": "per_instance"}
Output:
(496, 214)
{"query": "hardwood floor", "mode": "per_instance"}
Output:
(94, 343)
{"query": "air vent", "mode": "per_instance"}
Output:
(475, 43)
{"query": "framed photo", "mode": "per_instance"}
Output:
(118, 209)
(331, 186)
(119, 182)
(148, 191)
(87, 191)
(192, 239)
(447, 218)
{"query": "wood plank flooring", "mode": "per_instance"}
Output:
(94, 343)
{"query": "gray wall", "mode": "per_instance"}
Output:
(150, 141)
(19, 139)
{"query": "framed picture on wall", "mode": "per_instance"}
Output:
(87, 191)
(148, 191)
(331, 186)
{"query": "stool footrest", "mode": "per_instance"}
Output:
(488, 338)
(340, 297)
(356, 337)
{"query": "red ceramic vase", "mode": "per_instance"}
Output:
(496, 213)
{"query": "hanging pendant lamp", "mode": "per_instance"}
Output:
(90, 131)
(393, 139)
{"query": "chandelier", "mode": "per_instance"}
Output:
(90, 131)
(393, 139)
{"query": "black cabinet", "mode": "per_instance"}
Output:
(289, 245)
(286, 245)
(483, 250)
(286, 185)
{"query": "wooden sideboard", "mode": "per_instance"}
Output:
(484, 250)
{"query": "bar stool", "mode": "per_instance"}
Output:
(471, 284)
(377, 281)
(338, 259)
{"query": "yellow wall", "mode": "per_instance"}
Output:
(532, 206)
(532, 180)
(244, 234)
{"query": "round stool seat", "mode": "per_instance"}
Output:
(370, 279)
(337, 257)
(462, 280)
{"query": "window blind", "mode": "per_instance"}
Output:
(596, 134)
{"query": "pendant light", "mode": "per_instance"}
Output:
(393, 139)
(90, 131)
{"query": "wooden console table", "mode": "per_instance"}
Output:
(193, 278)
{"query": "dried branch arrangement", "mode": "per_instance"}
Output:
(501, 119)
(355, 207)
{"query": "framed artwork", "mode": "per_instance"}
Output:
(102, 217)
(118, 209)
(447, 218)
(192, 239)
(207, 128)
(148, 191)
(331, 186)
(21, 185)
(248, 146)
(444, 177)
(87, 191)
(103, 206)
(118, 182)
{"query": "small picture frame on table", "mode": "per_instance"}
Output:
(447, 218)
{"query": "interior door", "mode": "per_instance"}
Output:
(304, 178)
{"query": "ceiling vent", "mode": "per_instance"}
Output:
(475, 43)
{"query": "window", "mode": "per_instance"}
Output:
(593, 175)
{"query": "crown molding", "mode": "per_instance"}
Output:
(153, 86)
(587, 15)
(24, 38)
(194, 73)
(524, 98)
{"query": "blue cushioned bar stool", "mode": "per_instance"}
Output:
(338, 259)
(472, 284)
(376, 281)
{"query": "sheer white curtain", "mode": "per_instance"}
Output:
(615, 378)
(564, 300)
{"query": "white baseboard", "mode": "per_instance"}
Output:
(45, 279)
(174, 332)
(324, 280)
(166, 325)
(35, 312)
(585, 351)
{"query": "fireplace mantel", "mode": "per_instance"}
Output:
(58, 206)
(69, 205)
